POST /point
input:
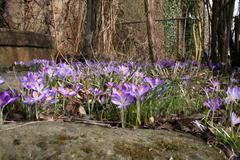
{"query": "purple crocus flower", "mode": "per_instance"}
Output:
(126, 87)
(109, 84)
(67, 91)
(213, 104)
(108, 69)
(216, 85)
(54, 90)
(154, 82)
(7, 97)
(19, 63)
(77, 87)
(34, 98)
(31, 80)
(50, 71)
(208, 90)
(212, 66)
(49, 99)
(49, 96)
(29, 100)
(187, 77)
(139, 90)
(65, 70)
(1, 81)
(233, 80)
(101, 100)
(123, 70)
(43, 62)
(138, 74)
(37, 86)
(233, 94)
(166, 64)
(90, 63)
(235, 120)
(96, 91)
(121, 98)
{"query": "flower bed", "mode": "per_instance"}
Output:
(130, 94)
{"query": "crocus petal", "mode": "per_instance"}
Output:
(72, 93)
(199, 125)
(154, 82)
(120, 107)
(28, 100)
(77, 87)
(66, 91)
(121, 98)
(233, 94)
(235, 119)
(1, 81)
(7, 97)
(116, 99)
(12, 100)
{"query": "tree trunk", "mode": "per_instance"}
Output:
(221, 30)
(203, 25)
(237, 36)
(149, 11)
(3, 23)
(222, 15)
(214, 23)
(235, 45)
(90, 29)
(229, 19)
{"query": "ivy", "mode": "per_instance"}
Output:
(171, 9)
(180, 8)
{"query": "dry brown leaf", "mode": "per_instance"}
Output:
(167, 125)
(46, 117)
(82, 111)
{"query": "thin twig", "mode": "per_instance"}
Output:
(101, 123)
(21, 125)
(3, 122)
(94, 123)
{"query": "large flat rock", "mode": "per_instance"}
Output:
(73, 141)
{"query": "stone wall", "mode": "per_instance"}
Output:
(24, 46)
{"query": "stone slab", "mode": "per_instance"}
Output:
(16, 38)
(24, 46)
(76, 141)
(8, 55)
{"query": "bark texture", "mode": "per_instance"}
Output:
(150, 22)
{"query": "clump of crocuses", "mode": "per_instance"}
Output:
(122, 98)
(213, 104)
(6, 97)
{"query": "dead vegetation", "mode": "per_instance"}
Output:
(65, 20)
